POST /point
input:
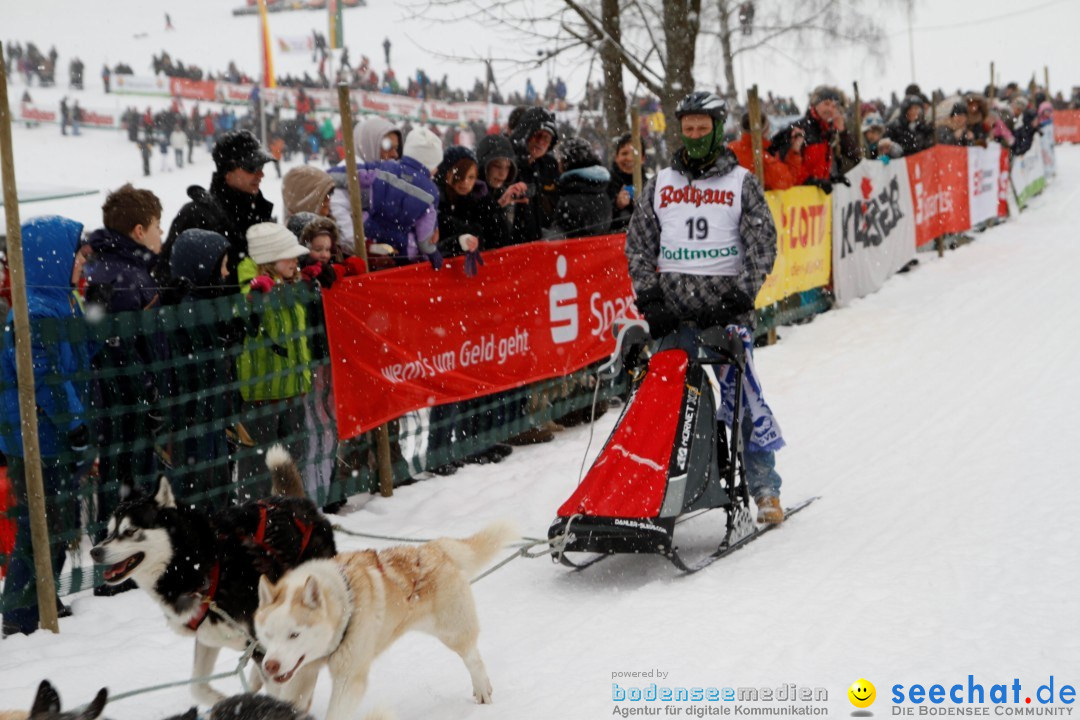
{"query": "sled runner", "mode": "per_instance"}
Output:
(667, 457)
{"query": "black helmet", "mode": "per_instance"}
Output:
(703, 103)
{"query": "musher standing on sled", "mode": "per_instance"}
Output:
(699, 245)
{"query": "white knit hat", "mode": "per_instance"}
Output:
(269, 242)
(424, 146)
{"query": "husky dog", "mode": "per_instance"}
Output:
(248, 707)
(203, 569)
(260, 707)
(346, 611)
(47, 706)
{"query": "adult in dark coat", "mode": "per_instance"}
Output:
(910, 131)
(534, 137)
(822, 126)
(584, 207)
(231, 205)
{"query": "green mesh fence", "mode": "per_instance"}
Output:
(200, 390)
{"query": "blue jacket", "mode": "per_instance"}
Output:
(49, 245)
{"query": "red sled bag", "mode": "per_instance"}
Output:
(666, 457)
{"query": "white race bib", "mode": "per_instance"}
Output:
(699, 223)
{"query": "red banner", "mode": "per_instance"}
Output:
(939, 185)
(193, 89)
(412, 337)
(1067, 126)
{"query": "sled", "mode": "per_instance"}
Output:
(667, 457)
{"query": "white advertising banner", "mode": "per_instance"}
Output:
(141, 84)
(1046, 142)
(1028, 174)
(984, 182)
(873, 228)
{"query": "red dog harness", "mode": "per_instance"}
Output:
(206, 592)
(209, 588)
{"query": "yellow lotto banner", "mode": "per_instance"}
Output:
(803, 217)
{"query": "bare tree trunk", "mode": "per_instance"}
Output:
(725, 47)
(611, 63)
(682, 20)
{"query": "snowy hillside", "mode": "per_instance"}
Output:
(935, 418)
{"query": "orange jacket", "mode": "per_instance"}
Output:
(779, 175)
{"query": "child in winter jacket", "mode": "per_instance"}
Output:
(200, 452)
(322, 264)
(119, 280)
(274, 368)
(400, 204)
(49, 245)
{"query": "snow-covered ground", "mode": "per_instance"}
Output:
(935, 418)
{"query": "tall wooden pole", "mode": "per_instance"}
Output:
(754, 108)
(635, 141)
(24, 371)
(993, 90)
(1046, 81)
(382, 434)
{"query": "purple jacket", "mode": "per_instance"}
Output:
(400, 203)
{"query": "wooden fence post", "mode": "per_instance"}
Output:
(382, 433)
(24, 371)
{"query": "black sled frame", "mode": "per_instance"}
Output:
(609, 536)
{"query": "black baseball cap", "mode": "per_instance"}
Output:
(240, 149)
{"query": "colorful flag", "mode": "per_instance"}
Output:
(337, 30)
(267, 48)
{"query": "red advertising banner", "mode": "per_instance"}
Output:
(939, 188)
(1067, 126)
(193, 89)
(413, 337)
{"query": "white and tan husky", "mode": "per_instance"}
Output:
(346, 611)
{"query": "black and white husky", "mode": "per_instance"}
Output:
(201, 568)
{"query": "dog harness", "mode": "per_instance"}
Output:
(209, 588)
(259, 538)
(206, 592)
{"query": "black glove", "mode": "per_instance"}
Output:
(327, 277)
(730, 306)
(841, 180)
(825, 185)
(662, 321)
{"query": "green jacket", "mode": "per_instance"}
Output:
(275, 363)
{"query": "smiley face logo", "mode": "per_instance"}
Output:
(862, 693)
